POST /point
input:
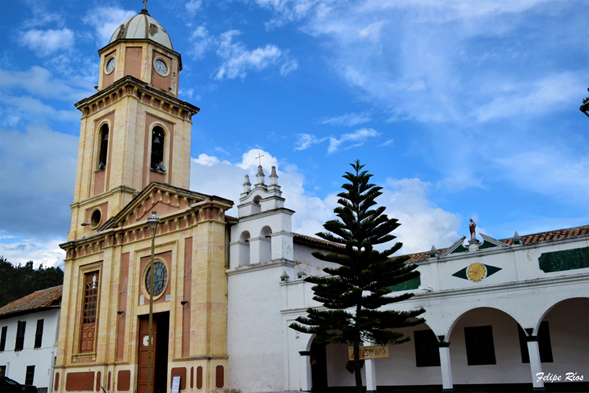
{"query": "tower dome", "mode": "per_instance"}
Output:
(142, 27)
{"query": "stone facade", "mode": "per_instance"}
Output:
(102, 336)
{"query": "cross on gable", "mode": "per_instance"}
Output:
(259, 157)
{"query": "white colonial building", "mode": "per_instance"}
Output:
(499, 313)
(28, 338)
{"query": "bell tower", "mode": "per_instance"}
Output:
(134, 130)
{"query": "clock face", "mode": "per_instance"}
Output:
(161, 67)
(110, 65)
(160, 279)
(476, 272)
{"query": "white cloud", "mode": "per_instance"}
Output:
(213, 176)
(289, 66)
(372, 31)
(552, 171)
(305, 141)
(46, 42)
(206, 160)
(348, 141)
(535, 97)
(201, 42)
(47, 253)
(192, 6)
(238, 60)
(221, 150)
(41, 15)
(424, 224)
(349, 119)
(287, 10)
(388, 143)
(105, 21)
(31, 109)
(41, 82)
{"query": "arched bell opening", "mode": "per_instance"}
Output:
(158, 139)
(244, 248)
(266, 244)
(103, 137)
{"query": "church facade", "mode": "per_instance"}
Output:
(134, 159)
(226, 289)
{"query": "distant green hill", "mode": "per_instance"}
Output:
(19, 281)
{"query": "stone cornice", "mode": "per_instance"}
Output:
(260, 266)
(448, 293)
(266, 213)
(114, 190)
(131, 86)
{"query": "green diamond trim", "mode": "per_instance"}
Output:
(460, 248)
(490, 271)
(461, 274)
(414, 283)
(487, 244)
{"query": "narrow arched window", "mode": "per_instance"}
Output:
(157, 149)
(103, 138)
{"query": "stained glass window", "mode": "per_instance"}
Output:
(160, 279)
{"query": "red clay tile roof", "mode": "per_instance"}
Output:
(421, 256)
(36, 301)
(551, 235)
(318, 243)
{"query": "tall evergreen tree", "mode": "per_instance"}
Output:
(355, 291)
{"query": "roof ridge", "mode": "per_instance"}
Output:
(560, 232)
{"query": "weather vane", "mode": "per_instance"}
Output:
(259, 157)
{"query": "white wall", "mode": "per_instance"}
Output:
(41, 358)
(519, 293)
(254, 331)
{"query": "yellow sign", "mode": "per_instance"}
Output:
(370, 352)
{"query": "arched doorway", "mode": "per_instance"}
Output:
(485, 349)
(318, 361)
(563, 340)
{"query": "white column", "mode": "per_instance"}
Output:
(446, 367)
(535, 364)
(254, 250)
(282, 245)
(306, 377)
(369, 364)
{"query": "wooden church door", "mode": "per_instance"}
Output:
(143, 353)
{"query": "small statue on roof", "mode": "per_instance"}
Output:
(472, 226)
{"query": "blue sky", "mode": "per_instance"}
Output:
(459, 108)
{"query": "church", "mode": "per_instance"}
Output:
(227, 288)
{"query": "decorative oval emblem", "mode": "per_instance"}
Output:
(152, 29)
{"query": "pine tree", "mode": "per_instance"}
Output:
(355, 291)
